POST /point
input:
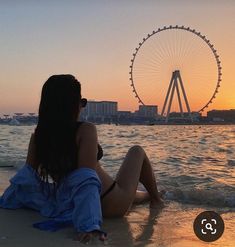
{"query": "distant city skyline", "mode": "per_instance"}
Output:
(105, 100)
(105, 112)
(94, 40)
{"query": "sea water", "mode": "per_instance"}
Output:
(194, 164)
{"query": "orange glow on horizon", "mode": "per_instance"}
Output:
(97, 49)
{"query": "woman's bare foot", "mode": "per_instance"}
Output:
(158, 202)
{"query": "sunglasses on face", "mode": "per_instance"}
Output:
(83, 102)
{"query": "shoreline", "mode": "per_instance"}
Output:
(141, 124)
(140, 227)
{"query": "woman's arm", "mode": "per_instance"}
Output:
(87, 146)
(31, 156)
(87, 157)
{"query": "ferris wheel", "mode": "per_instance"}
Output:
(176, 68)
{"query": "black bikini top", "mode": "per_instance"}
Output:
(100, 150)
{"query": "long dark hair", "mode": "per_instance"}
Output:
(55, 134)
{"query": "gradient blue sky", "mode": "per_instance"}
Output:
(94, 40)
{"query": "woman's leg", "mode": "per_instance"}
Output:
(136, 168)
(141, 197)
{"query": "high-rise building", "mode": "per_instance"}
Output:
(100, 109)
(109, 108)
(147, 111)
(124, 113)
(223, 115)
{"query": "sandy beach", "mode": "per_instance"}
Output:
(172, 227)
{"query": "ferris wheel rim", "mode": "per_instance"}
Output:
(203, 37)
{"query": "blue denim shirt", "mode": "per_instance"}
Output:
(76, 201)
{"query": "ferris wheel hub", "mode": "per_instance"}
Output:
(176, 83)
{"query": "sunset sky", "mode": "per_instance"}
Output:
(94, 40)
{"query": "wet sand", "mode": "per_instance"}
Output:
(171, 227)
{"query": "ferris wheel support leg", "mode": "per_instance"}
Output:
(167, 95)
(172, 94)
(179, 99)
(185, 97)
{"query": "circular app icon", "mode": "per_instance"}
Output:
(208, 226)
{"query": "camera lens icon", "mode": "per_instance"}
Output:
(208, 226)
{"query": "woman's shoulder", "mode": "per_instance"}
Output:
(86, 130)
(86, 126)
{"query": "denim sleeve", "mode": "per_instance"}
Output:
(24, 190)
(78, 199)
(87, 214)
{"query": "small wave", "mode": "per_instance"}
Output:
(231, 163)
(174, 160)
(224, 150)
(212, 159)
(11, 163)
(196, 159)
(201, 197)
(16, 131)
(203, 141)
(1, 146)
(128, 135)
(188, 178)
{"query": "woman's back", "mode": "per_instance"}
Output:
(80, 126)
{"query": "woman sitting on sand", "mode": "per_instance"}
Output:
(66, 152)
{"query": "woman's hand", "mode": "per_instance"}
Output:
(86, 237)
